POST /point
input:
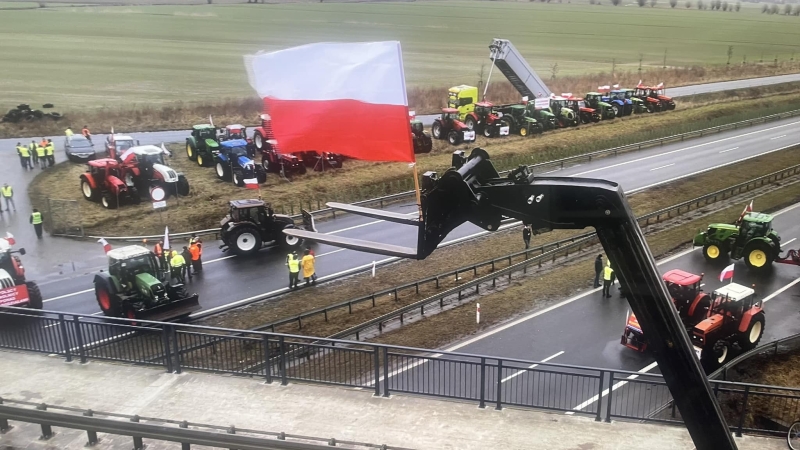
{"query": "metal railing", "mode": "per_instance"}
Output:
(381, 369)
(788, 343)
(137, 427)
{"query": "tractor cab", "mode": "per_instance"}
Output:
(119, 144)
(449, 115)
(104, 167)
(557, 103)
(206, 133)
(416, 126)
(232, 132)
(251, 210)
(756, 224)
(462, 98)
(683, 287)
(136, 269)
(147, 155)
(517, 112)
(484, 109)
(234, 148)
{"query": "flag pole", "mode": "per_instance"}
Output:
(416, 188)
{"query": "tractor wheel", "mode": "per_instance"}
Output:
(714, 355)
(470, 123)
(749, 339)
(258, 140)
(237, 179)
(615, 108)
(454, 137)
(650, 108)
(191, 152)
(110, 304)
(523, 131)
(538, 129)
(200, 160)
(302, 170)
(436, 130)
(109, 201)
(288, 242)
(715, 252)
(758, 255)
(265, 163)
(488, 131)
(261, 176)
(89, 193)
(223, 172)
(34, 295)
(245, 240)
(182, 186)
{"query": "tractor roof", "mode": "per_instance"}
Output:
(233, 143)
(485, 104)
(235, 126)
(449, 110)
(4, 246)
(558, 98)
(249, 203)
(103, 162)
(681, 278)
(147, 150)
(724, 226)
(128, 252)
(203, 126)
(518, 107)
(735, 292)
(757, 217)
(593, 93)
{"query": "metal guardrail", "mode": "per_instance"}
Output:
(772, 346)
(561, 163)
(382, 369)
(531, 256)
(184, 432)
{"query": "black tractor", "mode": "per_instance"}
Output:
(252, 224)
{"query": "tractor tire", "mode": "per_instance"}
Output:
(302, 170)
(223, 172)
(523, 131)
(715, 252)
(191, 151)
(288, 242)
(265, 164)
(538, 129)
(237, 178)
(488, 131)
(34, 295)
(616, 110)
(245, 240)
(454, 137)
(109, 303)
(714, 355)
(258, 141)
(758, 255)
(470, 123)
(261, 176)
(749, 339)
(436, 130)
(182, 186)
(201, 161)
(109, 201)
(89, 193)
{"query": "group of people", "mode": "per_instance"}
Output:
(40, 153)
(85, 132)
(179, 265)
(306, 264)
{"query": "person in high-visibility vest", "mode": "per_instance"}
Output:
(68, 132)
(178, 265)
(309, 273)
(50, 151)
(294, 269)
(85, 132)
(608, 279)
(36, 220)
(8, 196)
(24, 156)
(32, 149)
(41, 155)
(197, 263)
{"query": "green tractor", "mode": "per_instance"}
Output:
(564, 114)
(513, 117)
(595, 100)
(638, 105)
(136, 287)
(752, 238)
(543, 116)
(203, 145)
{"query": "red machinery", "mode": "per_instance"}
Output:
(447, 126)
(102, 182)
(654, 97)
(274, 161)
(14, 289)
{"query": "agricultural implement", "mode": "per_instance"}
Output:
(203, 144)
(136, 288)
(751, 238)
(252, 224)
(103, 182)
(15, 290)
(448, 126)
(233, 163)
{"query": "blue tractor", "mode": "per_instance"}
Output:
(620, 104)
(234, 162)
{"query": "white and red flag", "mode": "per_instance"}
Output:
(319, 96)
(105, 244)
(10, 238)
(251, 183)
(747, 209)
(726, 274)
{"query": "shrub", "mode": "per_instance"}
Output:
(641, 2)
(738, 6)
(764, 8)
(653, 3)
(615, 2)
(724, 6)
(673, 3)
(787, 9)
(688, 4)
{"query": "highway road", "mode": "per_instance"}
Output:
(266, 272)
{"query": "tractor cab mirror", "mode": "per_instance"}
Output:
(22, 251)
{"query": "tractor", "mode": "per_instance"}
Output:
(203, 144)
(422, 140)
(103, 182)
(116, 144)
(149, 170)
(15, 290)
(252, 224)
(566, 117)
(233, 163)
(651, 104)
(690, 301)
(655, 95)
(272, 160)
(751, 238)
(735, 320)
(638, 104)
(135, 287)
(543, 116)
(483, 119)
(449, 127)
(585, 113)
(595, 100)
(621, 105)
(231, 132)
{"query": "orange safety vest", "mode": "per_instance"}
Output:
(195, 251)
(43, 143)
(85, 132)
(158, 250)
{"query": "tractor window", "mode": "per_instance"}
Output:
(235, 133)
(152, 159)
(452, 116)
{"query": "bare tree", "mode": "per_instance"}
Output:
(615, 2)
(653, 3)
(730, 54)
(787, 9)
(738, 6)
(724, 6)
(773, 9)
(699, 4)
(796, 13)
(764, 8)
(641, 2)
(688, 4)
(553, 71)
(673, 3)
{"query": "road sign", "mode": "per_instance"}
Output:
(161, 204)
(157, 194)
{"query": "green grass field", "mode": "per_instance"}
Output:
(80, 57)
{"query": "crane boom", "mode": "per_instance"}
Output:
(509, 61)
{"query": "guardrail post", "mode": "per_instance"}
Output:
(499, 394)
(599, 397)
(744, 411)
(167, 351)
(185, 445)
(282, 343)
(232, 430)
(91, 435)
(4, 427)
(385, 371)
(610, 390)
(176, 349)
(79, 337)
(377, 371)
(62, 325)
(267, 363)
(483, 383)
(47, 430)
(137, 440)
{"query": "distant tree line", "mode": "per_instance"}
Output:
(787, 9)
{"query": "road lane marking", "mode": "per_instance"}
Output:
(616, 386)
(780, 291)
(520, 372)
(683, 149)
(218, 259)
(331, 252)
(729, 150)
(662, 167)
(777, 137)
(789, 241)
(67, 295)
(364, 224)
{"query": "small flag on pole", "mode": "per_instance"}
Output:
(660, 85)
(210, 120)
(112, 134)
(727, 274)
(251, 183)
(616, 86)
(478, 314)
(10, 238)
(164, 149)
(105, 244)
(747, 209)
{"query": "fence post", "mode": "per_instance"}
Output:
(610, 390)
(483, 383)
(385, 371)
(79, 337)
(282, 344)
(184, 445)
(499, 393)
(62, 325)
(176, 349)
(47, 430)
(4, 427)
(268, 371)
(91, 435)
(599, 397)
(744, 411)
(377, 363)
(137, 440)
(167, 352)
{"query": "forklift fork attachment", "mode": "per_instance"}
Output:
(354, 244)
(376, 213)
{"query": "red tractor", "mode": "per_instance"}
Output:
(274, 161)
(103, 182)
(654, 98)
(14, 289)
(484, 119)
(448, 126)
(585, 113)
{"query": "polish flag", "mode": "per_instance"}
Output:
(616, 86)
(660, 85)
(347, 98)
(251, 183)
(105, 244)
(210, 120)
(747, 209)
(10, 238)
(727, 273)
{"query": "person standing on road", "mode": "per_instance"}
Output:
(68, 132)
(178, 265)
(40, 154)
(51, 153)
(294, 269)
(608, 279)
(24, 156)
(526, 236)
(187, 257)
(308, 262)
(34, 155)
(36, 221)
(86, 133)
(8, 196)
(197, 263)
(598, 268)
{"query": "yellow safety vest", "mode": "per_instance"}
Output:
(294, 264)
(7, 191)
(607, 271)
(40, 151)
(177, 261)
(50, 149)
(37, 218)
(23, 151)
(68, 132)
